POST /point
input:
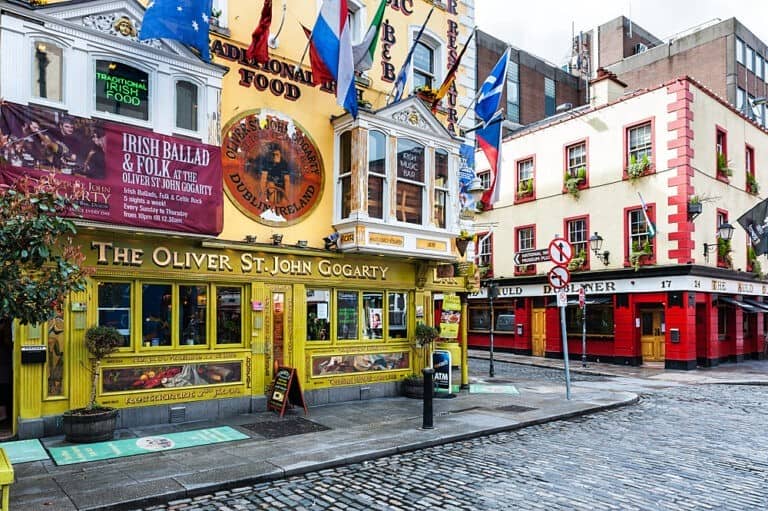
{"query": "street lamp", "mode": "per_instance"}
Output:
(493, 292)
(596, 243)
(724, 232)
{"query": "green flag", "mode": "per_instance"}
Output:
(363, 52)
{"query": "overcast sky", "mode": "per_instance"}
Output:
(543, 27)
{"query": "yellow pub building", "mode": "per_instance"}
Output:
(237, 219)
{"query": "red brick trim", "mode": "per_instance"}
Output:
(681, 244)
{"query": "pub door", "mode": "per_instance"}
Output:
(539, 333)
(280, 327)
(652, 335)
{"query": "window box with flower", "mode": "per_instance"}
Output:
(694, 207)
(753, 186)
(723, 170)
(724, 253)
(462, 240)
(640, 254)
(578, 262)
(638, 168)
(525, 189)
(426, 93)
(573, 183)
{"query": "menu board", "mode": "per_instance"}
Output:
(450, 317)
(286, 389)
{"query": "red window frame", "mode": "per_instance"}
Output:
(625, 155)
(529, 269)
(721, 146)
(566, 233)
(652, 217)
(585, 141)
(532, 196)
(749, 166)
(721, 216)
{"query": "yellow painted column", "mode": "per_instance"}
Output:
(464, 346)
(258, 343)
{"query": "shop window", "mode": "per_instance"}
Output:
(525, 182)
(377, 173)
(47, 71)
(156, 302)
(639, 148)
(229, 315)
(599, 320)
(397, 326)
(347, 315)
(479, 318)
(345, 173)
(513, 93)
(186, 105)
(423, 66)
(122, 90)
(193, 307)
(441, 188)
(114, 308)
(410, 181)
(318, 314)
(504, 318)
(373, 310)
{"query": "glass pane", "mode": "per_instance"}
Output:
(156, 313)
(479, 319)
(122, 90)
(46, 71)
(347, 315)
(398, 315)
(422, 58)
(186, 106)
(441, 168)
(55, 362)
(646, 322)
(409, 200)
(193, 303)
(278, 327)
(115, 308)
(504, 317)
(410, 160)
(345, 153)
(438, 214)
(318, 314)
(373, 304)
(228, 315)
(346, 196)
(377, 153)
(375, 197)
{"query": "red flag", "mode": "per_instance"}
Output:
(258, 50)
(320, 73)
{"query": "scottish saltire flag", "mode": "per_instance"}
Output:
(402, 76)
(365, 51)
(332, 39)
(489, 140)
(185, 21)
(489, 97)
(651, 226)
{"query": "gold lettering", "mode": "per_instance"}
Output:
(101, 251)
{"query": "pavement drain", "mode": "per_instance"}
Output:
(451, 412)
(289, 426)
(516, 408)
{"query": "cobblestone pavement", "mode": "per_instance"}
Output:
(689, 447)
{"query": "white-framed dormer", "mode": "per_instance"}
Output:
(48, 57)
(189, 104)
(396, 182)
(133, 99)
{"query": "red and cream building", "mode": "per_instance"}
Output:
(585, 174)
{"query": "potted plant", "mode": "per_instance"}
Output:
(214, 18)
(578, 262)
(636, 168)
(525, 188)
(94, 423)
(413, 385)
(754, 264)
(724, 253)
(462, 240)
(638, 252)
(426, 93)
(752, 185)
(722, 166)
(573, 182)
(694, 207)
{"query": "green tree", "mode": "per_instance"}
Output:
(39, 262)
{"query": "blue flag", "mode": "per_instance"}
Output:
(402, 76)
(490, 92)
(185, 21)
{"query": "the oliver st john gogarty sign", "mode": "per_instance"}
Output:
(126, 175)
(273, 171)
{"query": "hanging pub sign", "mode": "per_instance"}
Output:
(118, 174)
(273, 171)
(450, 317)
(285, 390)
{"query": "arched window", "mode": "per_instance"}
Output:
(377, 173)
(47, 71)
(423, 66)
(186, 105)
(345, 172)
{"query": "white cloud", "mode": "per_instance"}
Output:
(544, 28)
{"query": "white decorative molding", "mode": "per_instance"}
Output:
(411, 117)
(118, 25)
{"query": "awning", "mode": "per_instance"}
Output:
(738, 303)
(762, 307)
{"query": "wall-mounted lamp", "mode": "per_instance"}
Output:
(251, 238)
(475, 189)
(331, 241)
(724, 232)
(277, 239)
(301, 243)
(596, 244)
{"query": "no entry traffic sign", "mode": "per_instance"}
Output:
(559, 276)
(560, 251)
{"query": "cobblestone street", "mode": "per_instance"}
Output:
(687, 447)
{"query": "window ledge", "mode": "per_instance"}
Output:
(223, 31)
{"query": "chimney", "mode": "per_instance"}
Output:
(606, 87)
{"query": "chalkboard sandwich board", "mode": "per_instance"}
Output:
(286, 389)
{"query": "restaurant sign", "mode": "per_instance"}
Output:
(118, 174)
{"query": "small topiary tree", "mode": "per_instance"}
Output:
(100, 341)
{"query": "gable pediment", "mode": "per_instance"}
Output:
(414, 114)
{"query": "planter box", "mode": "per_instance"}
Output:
(90, 427)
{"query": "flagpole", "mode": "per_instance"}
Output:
(306, 49)
(477, 96)
(272, 40)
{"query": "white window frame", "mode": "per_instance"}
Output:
(750, 59)
(635, 217)
(152, 84)
(32, 43)
(485, 249)
(341, 175)
(513, 92)
(384, 176)
(739, 51)
(576, 161)
(357, 20)
(426, 217)
(578, 237)
(200, 106)
(222, 5)
(444, 189)
(641, 148)
(433, 41)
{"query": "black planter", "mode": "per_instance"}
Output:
(694, 209)
(87, 427)
(461, 245)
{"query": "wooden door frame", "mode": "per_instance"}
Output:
(288, 309)
(543, 312)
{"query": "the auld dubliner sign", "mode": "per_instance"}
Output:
(124, 175)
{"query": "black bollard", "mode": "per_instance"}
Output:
(428, 373)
